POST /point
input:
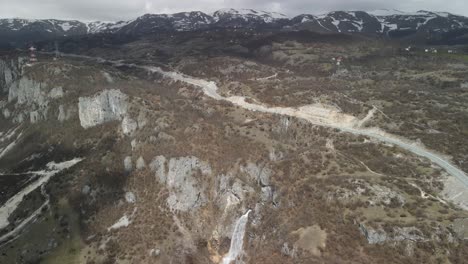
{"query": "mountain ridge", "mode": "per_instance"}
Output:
(392, 23)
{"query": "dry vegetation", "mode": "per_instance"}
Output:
(326, 184)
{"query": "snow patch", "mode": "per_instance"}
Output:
(52, 168)
(124, 221)
(386, 12)
(10, 146)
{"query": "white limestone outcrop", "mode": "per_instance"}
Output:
(130, 197)
(62, 116)
(35, 116)
(182, 177)
(27, 91)
(140, 164)
(129, 126)
(66, 112)
(31, 98)
(109, 105)
(56, 93)
(128, 164)
(8, 73)
(260, 174)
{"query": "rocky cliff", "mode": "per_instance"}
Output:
(109, 105)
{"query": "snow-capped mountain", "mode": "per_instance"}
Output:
(381, 21)
(27, 30)
(340, 21)
(151, 23)
(240, 17)
(392, 23)
(189, 21)
(20, 30)
(105, 27)
(48, 25)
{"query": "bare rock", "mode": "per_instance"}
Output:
(56, 93)
(182, 178)
(109, 105)
(399, 234)
(28, 92)
(140, 164)
(142, 120)
(128, 164)
(460, 226)
(129, 126)
(35, 117)
(130, 197)
(158, 166)
(260, 174)
(372, 235)
(6, 113)
(62, 116)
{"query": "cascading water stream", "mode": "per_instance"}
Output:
(237, 240)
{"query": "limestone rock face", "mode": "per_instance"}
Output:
(128, 165)
(109, 105)
(56, 93)
(460, 226)
(158, 165)
(373, 236)
(27, 91)
(142, 120)
(140, 164)
(182, 178)
(260, 174)
(66, 112)
(6, 113)
(35, 117)
(31, 97)
(130, 197)
(129, 126)
(8, 73)
(62, 116)
(379, 236)
(19, 118)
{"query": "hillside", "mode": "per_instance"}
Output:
(231, 145)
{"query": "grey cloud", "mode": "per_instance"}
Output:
(127, 9)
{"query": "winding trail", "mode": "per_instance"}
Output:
(322, 116)
(316, 114)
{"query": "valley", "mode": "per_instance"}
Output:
(232, 146)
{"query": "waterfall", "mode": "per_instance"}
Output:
(237, 240)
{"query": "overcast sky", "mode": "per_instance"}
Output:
(113, 10)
